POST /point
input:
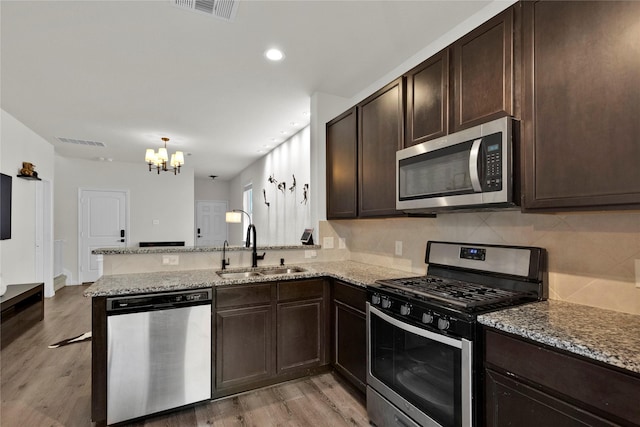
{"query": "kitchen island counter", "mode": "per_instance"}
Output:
(606, 336)
(352, 272)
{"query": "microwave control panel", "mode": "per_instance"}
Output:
(492, 154)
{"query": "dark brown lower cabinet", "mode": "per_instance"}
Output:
(530, 384)
(302, 331)
(269, 332)
(349, 326)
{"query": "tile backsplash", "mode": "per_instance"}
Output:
(592, 256)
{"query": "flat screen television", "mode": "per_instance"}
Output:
(5, 206)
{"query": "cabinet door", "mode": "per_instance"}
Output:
(512, 403)
(342, 171)
(243, 346)
(428, 100)
(300, 335)
(582, 105)
(483, 73)
(380, 135)
(350, 344)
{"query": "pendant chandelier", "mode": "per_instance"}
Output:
(159, 160)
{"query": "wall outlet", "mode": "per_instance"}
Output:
(327, 243)
(638, 273)
(342, 243)
(170, 259)
(310, 254)
(156, 222)
(398, 247)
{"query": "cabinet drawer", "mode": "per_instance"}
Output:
(300, 289)
(605, 390)
(353, 296)
(231, 296)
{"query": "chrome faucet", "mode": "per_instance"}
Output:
(225, 262)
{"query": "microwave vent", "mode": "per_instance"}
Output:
(223, 9)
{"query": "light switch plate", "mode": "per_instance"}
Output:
(398, 247)
(170, 259)
(342, 243)
(310, 254)
(327, 243)
(156, 222)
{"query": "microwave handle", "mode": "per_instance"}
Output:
(473, 165)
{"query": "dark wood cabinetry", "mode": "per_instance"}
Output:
(380, 135)
(22, 307)
(269, 332)
(427, 114)
(302, 331)
(244, 335)
(529, 384)
(581, 105)
(342, 166)
(483, 70)
(349, 346)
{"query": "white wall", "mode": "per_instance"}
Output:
(209, 189)
(17, 144)
(283, 222)
(167, 198)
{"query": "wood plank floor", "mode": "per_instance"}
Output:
(52, 387)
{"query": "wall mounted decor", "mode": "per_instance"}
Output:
(305, 192)
(282, 186)
(264, 193)
(293, 186)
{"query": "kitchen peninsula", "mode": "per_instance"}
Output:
(559, 329)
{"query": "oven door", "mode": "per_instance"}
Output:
(425, 374)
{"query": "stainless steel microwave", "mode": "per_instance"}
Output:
(470, 169)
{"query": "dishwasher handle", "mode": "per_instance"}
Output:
(158, 301)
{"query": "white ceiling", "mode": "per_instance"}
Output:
(126, 73)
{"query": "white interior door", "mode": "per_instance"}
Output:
(211, 227)
(103, 224)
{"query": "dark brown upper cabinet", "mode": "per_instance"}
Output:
(581, 109)
(428, 100)
(342, 166)
(380, 135)
(482, 73)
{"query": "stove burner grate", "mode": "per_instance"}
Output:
(459, 293)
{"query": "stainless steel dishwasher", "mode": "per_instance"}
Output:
(158, 352)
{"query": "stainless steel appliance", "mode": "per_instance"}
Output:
(467, 169)
(422, 331)
(158, 352)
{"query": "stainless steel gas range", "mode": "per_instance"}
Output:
(422, 339)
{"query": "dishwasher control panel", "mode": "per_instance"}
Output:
(158, 301)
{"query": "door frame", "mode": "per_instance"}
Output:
(81, 190)
(44, 236)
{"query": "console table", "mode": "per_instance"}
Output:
(21, 307)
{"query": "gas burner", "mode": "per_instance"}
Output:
(453, 292)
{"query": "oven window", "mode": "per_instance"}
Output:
(424, 372)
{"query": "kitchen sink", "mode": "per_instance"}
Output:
(264, 271)
(283, 270)
(238, 274)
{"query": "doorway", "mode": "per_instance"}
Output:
(211, 227)
(44, 237)
(103, 223)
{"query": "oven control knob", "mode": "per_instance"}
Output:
(375, 299)
(443, 324)
(427, 318)
(386, 302)
(405, 309)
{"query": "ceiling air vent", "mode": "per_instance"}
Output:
(81, 142)
(223, 9)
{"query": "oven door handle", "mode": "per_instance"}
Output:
(414, 330)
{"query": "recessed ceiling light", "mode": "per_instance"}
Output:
(293, 124)
(274, 54)
(274, 140)
(284, 132)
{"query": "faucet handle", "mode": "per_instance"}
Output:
(261, 256)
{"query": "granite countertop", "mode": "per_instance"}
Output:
(356, 273)
(603, 335)
(184, 249)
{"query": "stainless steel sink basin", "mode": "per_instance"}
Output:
(238, 274)
(283, 270)
(265, 271)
